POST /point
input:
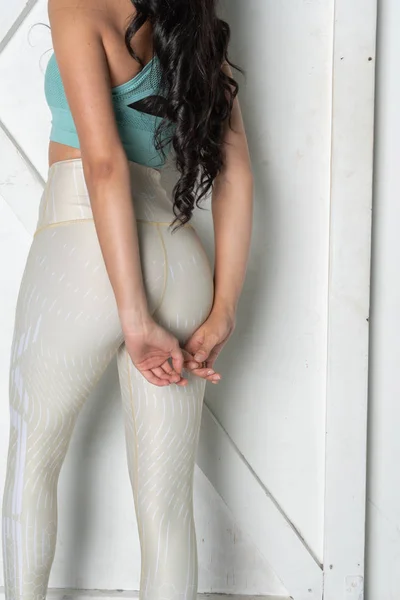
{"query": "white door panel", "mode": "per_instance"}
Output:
(23, 109)
(12, 15)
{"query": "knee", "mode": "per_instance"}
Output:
(172, 505)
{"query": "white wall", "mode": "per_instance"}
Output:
(98, 545)
(265, 421)
(273, 397)
(383, 534)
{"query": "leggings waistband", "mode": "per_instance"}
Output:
(66, 198)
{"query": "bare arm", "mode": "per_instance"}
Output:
(83, 66)
(84, 71)
(232, 210)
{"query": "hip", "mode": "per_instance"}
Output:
(177, 273)
(65, 196)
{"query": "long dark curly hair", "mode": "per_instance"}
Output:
(191, 43)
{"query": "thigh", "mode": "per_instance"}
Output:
(66, 331)
(162, 423)
(66, 324)
(162, 426)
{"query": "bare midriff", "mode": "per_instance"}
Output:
(59, 152)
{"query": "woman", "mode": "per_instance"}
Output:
(107, 275)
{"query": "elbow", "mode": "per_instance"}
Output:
(239, 175)
(100, 169)
(247, 172)
(249, 176)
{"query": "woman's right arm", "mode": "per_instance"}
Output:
(84, 70)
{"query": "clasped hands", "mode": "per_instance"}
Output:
(151, 346)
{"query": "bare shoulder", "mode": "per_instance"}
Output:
(75, 5)
(78, 46)
(85, 14)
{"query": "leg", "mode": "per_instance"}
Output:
(66, 332)
(162, 428)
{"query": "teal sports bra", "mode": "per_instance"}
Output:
(136, 128)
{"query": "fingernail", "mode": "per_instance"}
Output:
(199, 356)
(216, 376)
(210, 372)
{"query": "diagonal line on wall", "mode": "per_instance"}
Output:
(257, 512)
(17, 23)
(30, 166)
(267, 492)
(24, 156)
(14, 216)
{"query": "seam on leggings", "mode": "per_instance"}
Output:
(60, 223)
(165, 272)
(68, 221)
(135, 483)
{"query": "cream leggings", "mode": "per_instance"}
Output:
(66, 332)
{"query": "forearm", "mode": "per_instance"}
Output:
(232, 210)
(114, 218)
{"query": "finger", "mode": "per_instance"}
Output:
(191, 364)
(195, 342)
(177, 359)
(186, 355)
(159, 372)
(203, 352)
(169, 371)
(214, 354)
(199, 368)
(207, 373)
(149, 375)
(201, 355)
(167, 367)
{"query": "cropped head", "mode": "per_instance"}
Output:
(191, 43)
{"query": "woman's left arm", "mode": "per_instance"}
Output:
(232, 210)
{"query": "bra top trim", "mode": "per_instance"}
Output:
(129, 85)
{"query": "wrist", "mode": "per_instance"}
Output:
(134, 319)
(223, 306)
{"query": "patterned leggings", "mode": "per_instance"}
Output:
(66, 332)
